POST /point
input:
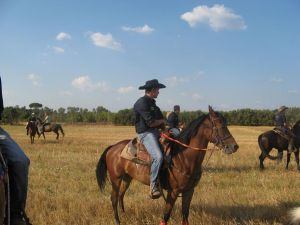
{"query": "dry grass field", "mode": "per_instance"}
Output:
(63, 187)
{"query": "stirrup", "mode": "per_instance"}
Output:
(155, 192)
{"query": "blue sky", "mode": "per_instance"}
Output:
(228, 54)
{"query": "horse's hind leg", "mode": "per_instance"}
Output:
(123, 188)
(57, 135)
(116, 182)
(261, 161)
(288, 159)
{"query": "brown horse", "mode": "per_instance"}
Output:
(32, 130)
(54, 127)
(183, 173)
(270, 139)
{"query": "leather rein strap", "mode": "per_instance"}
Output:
(182, 144)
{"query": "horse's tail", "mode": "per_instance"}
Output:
(101, 170)
(61, 130)
(294, 216)
(262, 138)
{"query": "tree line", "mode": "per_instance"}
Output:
(243, 117)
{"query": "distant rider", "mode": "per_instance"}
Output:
(32, 119)
(281, 124)
(47, 121)
(173, 121)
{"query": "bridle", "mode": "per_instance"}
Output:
(216, 139)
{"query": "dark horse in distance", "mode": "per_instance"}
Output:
(270, 139)
(32, 130)
(183, 173)
(54, 127)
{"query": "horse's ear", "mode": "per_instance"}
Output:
(211, 111)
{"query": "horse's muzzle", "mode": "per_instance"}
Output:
(232, 148)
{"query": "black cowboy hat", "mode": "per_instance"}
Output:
(176, 107)
(150, 84)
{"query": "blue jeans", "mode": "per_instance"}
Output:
(150, 140)
(18, 165)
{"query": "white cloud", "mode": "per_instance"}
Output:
(66, 93)
(105, 41)
(197, 97)
(143, 30)
(223, 106)
(34, 78)
(63, 36)
(58, 49)
(292, 91)
(124, 90)
(175, 81)
(276, 80)
(84, 83)
(217, 17)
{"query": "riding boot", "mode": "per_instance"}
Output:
(154, 191)
(291, 147)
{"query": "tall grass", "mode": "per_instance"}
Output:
(232, 190)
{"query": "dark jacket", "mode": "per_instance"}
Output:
(280, 119)
(32, 118)
(146, 112)
(1, 100)
(173, 120)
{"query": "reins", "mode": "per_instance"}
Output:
(163, 135)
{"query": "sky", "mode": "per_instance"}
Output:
(228, 54)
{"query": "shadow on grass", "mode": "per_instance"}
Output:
(50, 141)
(243, 215)
(229, 169)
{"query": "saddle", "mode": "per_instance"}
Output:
(282, 133)
(136, 152)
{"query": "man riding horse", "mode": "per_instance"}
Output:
(46, 121)
(173, 121)
(18, 167)
(148, 120)
(281, 125)
(32, 119)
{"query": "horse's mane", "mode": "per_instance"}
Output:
(297, 123)
(191, 129)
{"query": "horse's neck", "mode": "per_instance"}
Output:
(193, 158)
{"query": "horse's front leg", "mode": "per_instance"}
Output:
(171, 198)
(186, 202)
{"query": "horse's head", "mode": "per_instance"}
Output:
(220, 134)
